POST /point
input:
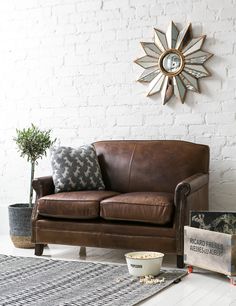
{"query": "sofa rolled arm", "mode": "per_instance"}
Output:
(43, 186)
(190, 185)
(191, 193)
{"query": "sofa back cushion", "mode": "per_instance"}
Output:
(158, 165)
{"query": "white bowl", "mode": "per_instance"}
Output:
(144, 263)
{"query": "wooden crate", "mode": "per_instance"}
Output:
(210, 250)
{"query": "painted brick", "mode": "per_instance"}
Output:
(130, 120)
(89, 5)
(220, 118)
(189, 119)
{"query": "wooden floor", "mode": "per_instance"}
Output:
(200, 288)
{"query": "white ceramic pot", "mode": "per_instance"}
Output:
(144, 263)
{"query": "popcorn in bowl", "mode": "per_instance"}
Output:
(144, 263)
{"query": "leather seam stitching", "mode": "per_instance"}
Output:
(128, 203)
(68, 200)
(130, 165)
(69, 216)
(135, 220)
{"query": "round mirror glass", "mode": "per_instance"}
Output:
(171, 63)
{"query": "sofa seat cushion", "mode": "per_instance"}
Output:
(150, 207)
(73, 205)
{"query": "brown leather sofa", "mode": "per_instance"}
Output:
(150, 188)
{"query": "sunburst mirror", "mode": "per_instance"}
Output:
(173, 63)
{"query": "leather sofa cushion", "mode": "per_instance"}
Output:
(150, 207)
(73, 205)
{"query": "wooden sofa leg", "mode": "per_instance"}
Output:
(82, 252)
(38, 251)
(180, 261)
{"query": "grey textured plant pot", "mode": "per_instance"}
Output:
(20, 225)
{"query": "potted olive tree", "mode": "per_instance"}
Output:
(32, 143)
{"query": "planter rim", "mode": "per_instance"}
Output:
(20, 205)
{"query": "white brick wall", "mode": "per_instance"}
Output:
(68, 65)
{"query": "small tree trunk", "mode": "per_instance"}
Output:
(31, 180)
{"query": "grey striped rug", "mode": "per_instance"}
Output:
(42, 282)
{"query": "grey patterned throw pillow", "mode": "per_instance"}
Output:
(76, 169)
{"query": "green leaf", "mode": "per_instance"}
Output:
(33, 143)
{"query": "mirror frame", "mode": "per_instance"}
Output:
(192, 57)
